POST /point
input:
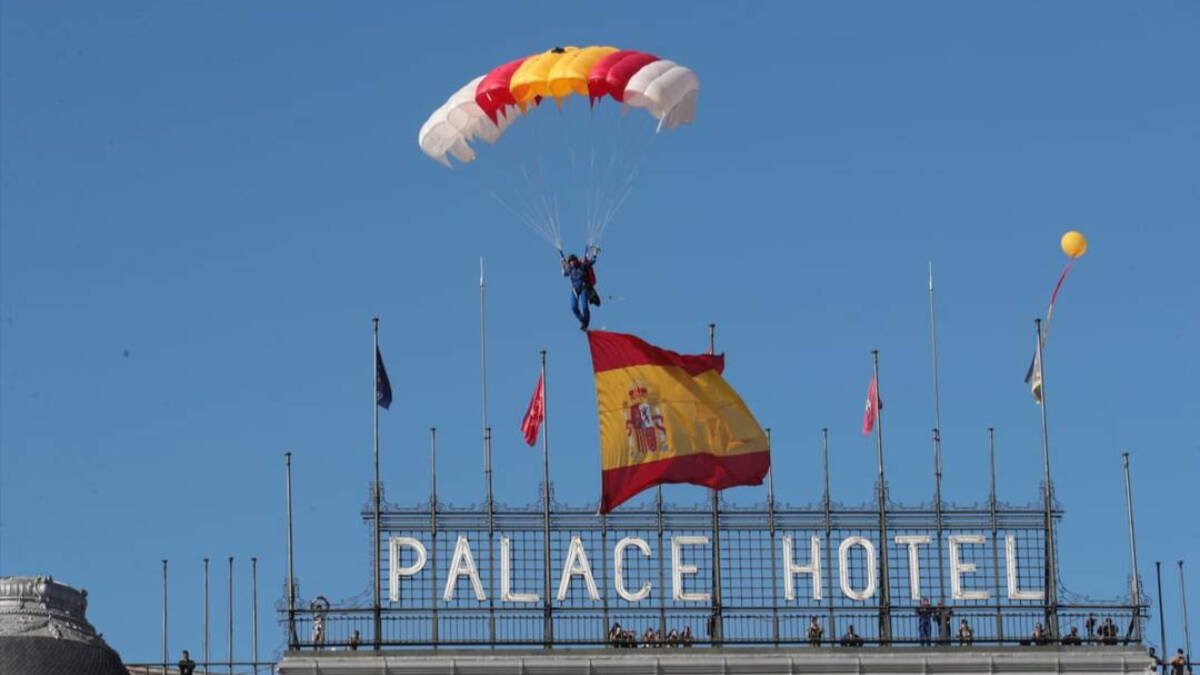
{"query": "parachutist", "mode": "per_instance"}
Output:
(582, 275)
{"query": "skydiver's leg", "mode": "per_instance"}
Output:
(575, 305)
(579, 307)
(578, 301)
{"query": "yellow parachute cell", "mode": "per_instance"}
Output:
(570, 73)
(531, 79)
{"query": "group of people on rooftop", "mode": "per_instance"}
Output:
(927, 614)
(1097, 633)
(624, 638)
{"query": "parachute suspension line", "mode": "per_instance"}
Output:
(615, 204)
(592, 188)
(535, 209)
(529, 222)
(621, 194)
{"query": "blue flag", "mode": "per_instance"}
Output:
(383, 387)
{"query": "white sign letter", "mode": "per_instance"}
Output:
(506, 591)
(678, 569)
(959, 568)
(844, 564)
(790, 569)
(463, 565)
(1010, 556)
(394, 567)
(619, 568)
(914, 561)
(577, 563)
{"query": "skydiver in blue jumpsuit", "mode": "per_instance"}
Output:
(583, 284)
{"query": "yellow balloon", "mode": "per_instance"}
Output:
(1074, 244)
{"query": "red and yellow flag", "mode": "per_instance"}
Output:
(670, 418)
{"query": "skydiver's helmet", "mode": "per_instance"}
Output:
(572, 260)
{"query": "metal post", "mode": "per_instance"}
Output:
(827, 502)
(771, 528)
(547, 606)
(254, 612)
(1187, 634)
(604, 569)
(433, 529)
(293, 639)
(937, 511)
(1135, 581)
(1051, 581)
(718, 628)
(662, 578)
(937, 438)
(206, 653)
(885, 596)
(164, 616)
(993, 505)
(937, 401)
(1162, 624)
(229, 644)
(487, 442)
(376, 608)
(483, 394)
(487, 460)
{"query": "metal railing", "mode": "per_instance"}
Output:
(577, 628)
(222, 668)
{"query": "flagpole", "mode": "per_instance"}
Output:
(491, 512)
(164, 616)
(662, 578)
(1162, 623)
(937, 435)
(293, 639)
(229, 644)
(717, 632)
(433, 531)
(827, 502)
(547, 617)
(377, 611)
(487, 455)
(1135, 581)
(937, 401)
(483, 394)
(885, 609)
(771, 529)
(254, 611)
(206, 614)
(1187, 634)
(1051, 580)
(993, 505)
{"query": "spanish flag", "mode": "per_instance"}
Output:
(670, 418)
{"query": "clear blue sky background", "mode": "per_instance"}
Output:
(204, 204)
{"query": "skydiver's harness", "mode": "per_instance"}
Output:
(589, 279)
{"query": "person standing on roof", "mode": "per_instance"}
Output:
(583, 284)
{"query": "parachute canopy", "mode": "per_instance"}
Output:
(485, 106)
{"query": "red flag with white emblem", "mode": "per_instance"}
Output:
(535, 414)
(874, 405)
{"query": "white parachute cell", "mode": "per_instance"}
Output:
(460, 120)
(667, 90)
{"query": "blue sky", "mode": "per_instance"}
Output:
(204, 204)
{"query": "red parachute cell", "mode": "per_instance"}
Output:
(596, 81)
(493, 95)
(622, 71)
